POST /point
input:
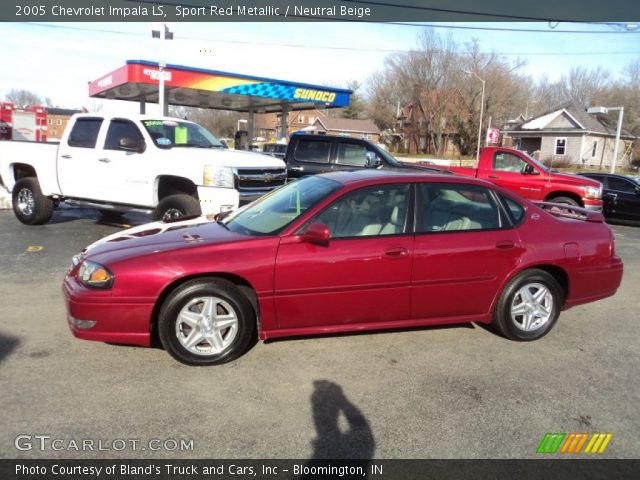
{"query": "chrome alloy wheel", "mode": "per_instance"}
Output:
(531, 307)
(26, 202)
(206, 325)
(172, 214)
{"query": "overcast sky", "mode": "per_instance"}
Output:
(57, 60)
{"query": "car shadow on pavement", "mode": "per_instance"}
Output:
(471, 326)
(7, 345)
(342, 431)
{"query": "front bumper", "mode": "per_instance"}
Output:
(214, 200)
(125, 321)
(593, 205)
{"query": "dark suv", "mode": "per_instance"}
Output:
(313, 154)
(620, 196)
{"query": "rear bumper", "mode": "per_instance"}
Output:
(126, 322)
(594, 284)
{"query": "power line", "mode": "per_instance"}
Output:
(321, 47)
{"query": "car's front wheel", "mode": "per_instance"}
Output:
(177, 206)
(529, 306)
(206, 322)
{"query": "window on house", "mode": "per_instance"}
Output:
(59, 121)
(49, 121)
(594, 148)
(561, 146)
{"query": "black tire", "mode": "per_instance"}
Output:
(177, 206)
(512, 301)
(30, 206)
(111, 215)
(565, 201)
(190, 298)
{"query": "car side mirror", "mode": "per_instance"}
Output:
(317, 233)
(129, 144)
(529, 170)
(637, 190)
(373, 160)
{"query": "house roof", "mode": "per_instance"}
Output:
(348, 125)
(62, 111)
(583, 121)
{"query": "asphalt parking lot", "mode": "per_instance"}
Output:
(455, 392)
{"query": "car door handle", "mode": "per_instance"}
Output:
(493, 176)
(612, 195)
(104, 160)
(296, 169)
(397, 252)
(505, 245)
(66, 156)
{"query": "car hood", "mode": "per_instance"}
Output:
(159, 236)
(235, 158)
(577, 180)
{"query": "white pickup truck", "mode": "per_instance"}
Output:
(165, 166)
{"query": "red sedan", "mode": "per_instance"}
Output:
(343, 252)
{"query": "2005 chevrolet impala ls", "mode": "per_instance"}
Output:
(342, 252)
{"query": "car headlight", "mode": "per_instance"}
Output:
(94, 275)
(593, 192)
(218, 177)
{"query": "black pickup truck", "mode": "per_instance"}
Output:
(309, 154)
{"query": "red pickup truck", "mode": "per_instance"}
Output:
(526, 176)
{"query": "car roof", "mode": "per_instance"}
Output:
(373, 177)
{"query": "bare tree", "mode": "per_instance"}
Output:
(24, 98)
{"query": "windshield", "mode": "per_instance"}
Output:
(537, 163)
(175, 133)
(272, 213)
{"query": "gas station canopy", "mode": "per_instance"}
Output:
(138, 80)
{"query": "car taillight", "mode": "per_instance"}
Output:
(612, 245)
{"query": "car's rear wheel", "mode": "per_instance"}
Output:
(177, 206)
(30, 206)
(529, 306)
(206, 322)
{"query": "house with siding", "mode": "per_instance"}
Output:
(569, 136)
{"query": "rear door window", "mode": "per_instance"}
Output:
(85, 133)
(449, 208)
(312, 150)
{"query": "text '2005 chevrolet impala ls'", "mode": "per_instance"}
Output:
(341, 252)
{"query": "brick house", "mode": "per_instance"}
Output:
(267, 125)
(569, 136)
(57, 120)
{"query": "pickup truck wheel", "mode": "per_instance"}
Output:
(177, 206)
(529, 306)
(30, 206)
(565, 201)
(206, 322)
